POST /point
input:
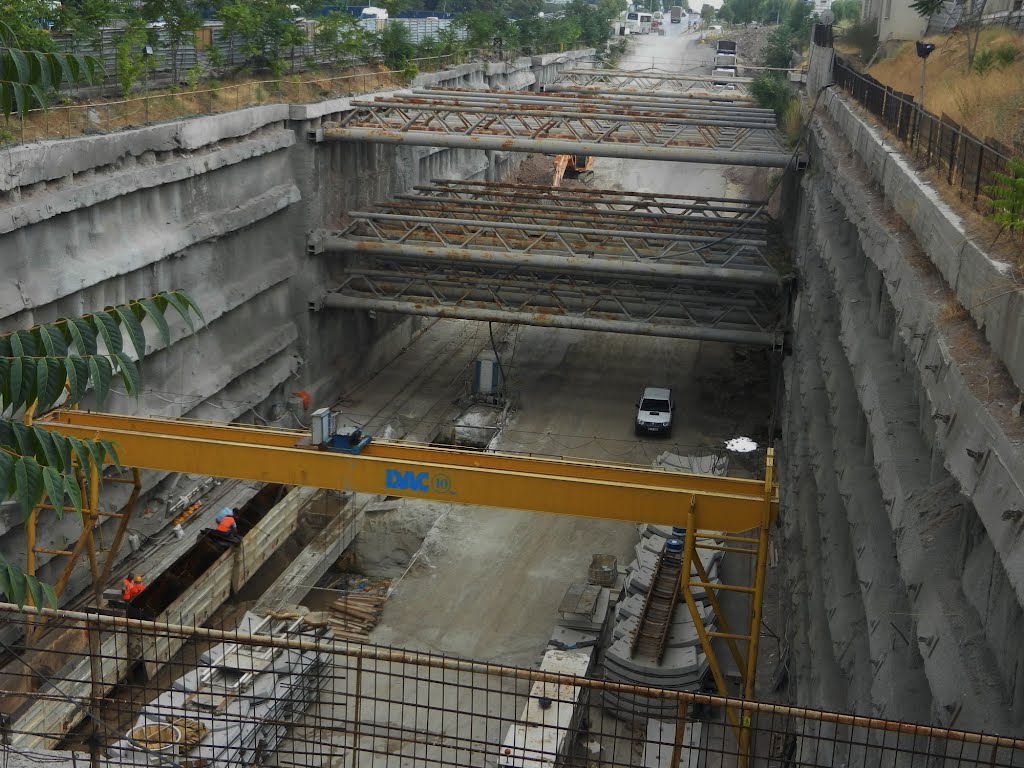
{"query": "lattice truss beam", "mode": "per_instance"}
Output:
(635, 125)
(652, 80)
(480, 251)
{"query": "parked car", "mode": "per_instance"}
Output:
(654, 412)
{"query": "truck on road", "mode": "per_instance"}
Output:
(677, 13)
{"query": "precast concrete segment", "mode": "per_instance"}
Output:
(548, 262)
(550, 320)
(681, 154)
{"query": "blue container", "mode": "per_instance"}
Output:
(673, 547)
(679, 533)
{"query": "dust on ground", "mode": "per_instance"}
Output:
(536, 169)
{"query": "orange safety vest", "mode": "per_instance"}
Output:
(131, 590)
(225, 525)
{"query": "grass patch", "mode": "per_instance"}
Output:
(988, 100)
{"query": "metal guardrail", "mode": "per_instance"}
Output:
(362, 705)
(967, 163)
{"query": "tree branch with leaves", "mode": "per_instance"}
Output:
(27, 77)
(62, 363)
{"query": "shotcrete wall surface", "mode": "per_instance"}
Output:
(220, 206)
(901, 470)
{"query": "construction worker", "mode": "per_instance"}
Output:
(226, 522)
(132, 588)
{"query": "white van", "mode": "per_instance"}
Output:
(654, 412)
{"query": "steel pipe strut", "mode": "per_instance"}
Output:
(758, 159)
(697, 333)
(546, 262)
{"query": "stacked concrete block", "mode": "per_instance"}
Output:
(683, 664)
(233, 703)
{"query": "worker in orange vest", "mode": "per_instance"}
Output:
(132, 588)
(226, 523)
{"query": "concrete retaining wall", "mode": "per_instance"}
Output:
(902, 464)
(220, 206)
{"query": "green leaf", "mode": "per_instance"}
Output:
(55, 379)
(15, 584)
(73, 491)
(28, 380)
(84, 336)
(20, 62)
(76, 385)
(82, 453)
(50, 595)
(17, 350)
(28, 483)
(17, 372)
(28, 343)
(154, 313)
(99, 367)
(51, 454)
(106, 327)
(129, 373)
(36, 590)
(111, 452)
(134, 328)
(42, 379)
(6, 473)
(24, 440)
(179, 304)
(187, 298)
(99, 453)
(52, 340)
(54, 482)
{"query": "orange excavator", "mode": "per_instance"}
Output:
(574, 166)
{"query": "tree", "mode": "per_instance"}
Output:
(846, 10)
(28, 76)
(395, 45)
(928, 8)
(707, 13)
(266, 28)
(131, 61)
(64, 362)
(177, 20)
(339, 36)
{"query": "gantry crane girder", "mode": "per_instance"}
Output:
(732, 508)
(560, 486)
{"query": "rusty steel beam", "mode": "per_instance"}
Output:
(616, 197)
(547, 262)
(547, 319)
(628, 151)
(643, 221)
(599, 126)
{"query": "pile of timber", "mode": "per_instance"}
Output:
(353, 616)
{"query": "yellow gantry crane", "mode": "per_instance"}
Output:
(737, 512)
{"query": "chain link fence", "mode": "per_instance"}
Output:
(284, 691)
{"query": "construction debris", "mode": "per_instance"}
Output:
(353, 617)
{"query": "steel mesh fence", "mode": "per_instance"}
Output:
(966, 163)
(281, 691)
